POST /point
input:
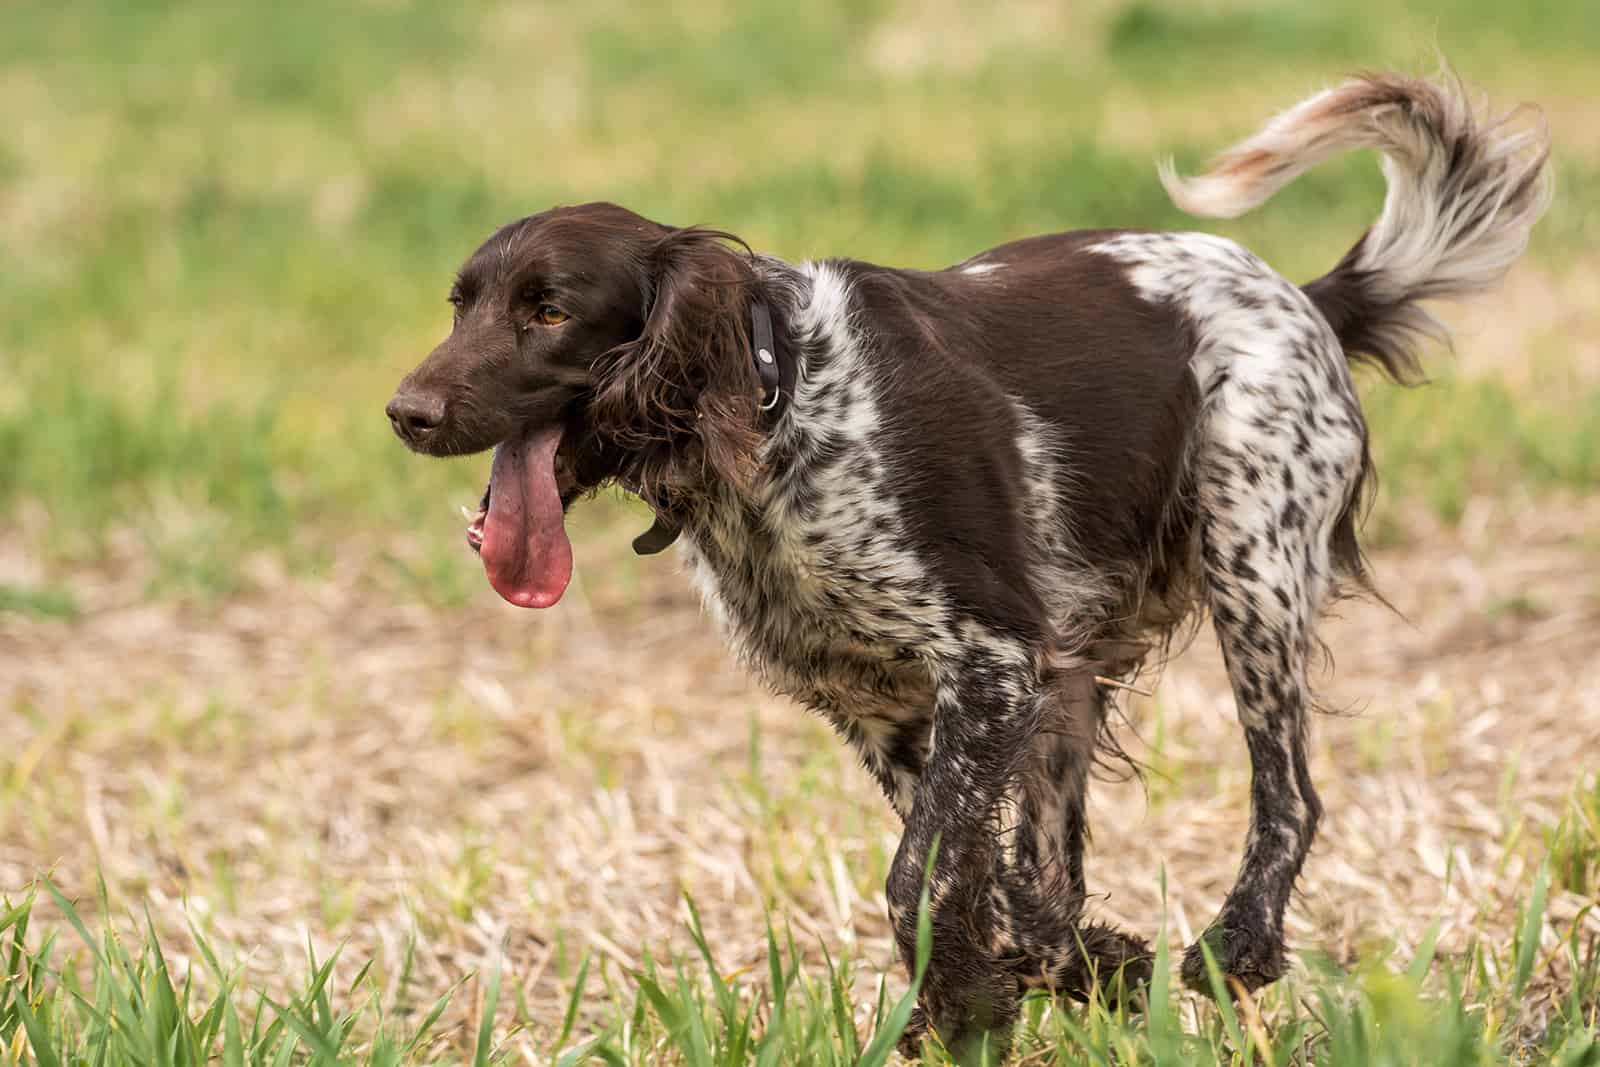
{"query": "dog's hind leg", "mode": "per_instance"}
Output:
(1280, 456)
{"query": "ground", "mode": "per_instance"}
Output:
(253, 684)
(314, 762)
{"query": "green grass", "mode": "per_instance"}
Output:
(1574, 842)
(113, 1000)
(1459, 437)
(229, 230)
(45, 603)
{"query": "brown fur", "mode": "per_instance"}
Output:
(680, 400)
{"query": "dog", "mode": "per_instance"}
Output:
(941, 509)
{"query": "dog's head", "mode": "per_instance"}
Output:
(590, 345)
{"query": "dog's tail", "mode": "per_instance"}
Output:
(1463, 195)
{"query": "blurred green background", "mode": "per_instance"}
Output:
(226, 229)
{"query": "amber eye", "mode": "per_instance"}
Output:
(550, 315)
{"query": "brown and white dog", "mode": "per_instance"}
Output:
(934, 507)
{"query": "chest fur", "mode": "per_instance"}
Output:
(823, 598)
(811, 572)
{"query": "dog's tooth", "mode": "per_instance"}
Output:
(466, 513)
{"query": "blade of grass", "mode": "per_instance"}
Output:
(1424, 957)
(574, 1000)
(44, 1050)
(71, 912)
(1222, 996)
(889, 1030)
(1528, 933)
(480, 1055)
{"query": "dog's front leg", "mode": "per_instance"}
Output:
(986, 711)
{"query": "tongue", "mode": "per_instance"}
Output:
(525, 548)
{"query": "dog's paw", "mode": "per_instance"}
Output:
(1118, 963)
(1249, 955)
(911, 1038)
(974, 1029)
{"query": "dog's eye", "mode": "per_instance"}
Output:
(550, 315)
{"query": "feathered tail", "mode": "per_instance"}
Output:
(1463, 194)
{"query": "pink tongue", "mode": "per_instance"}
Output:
(525, 546)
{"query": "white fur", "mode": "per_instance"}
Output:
(1463, 192)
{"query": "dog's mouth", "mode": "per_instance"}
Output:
(520, 527)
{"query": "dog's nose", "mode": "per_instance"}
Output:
(415, 416)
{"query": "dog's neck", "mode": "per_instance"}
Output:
(777, 369)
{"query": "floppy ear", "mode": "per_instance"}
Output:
(682, 401)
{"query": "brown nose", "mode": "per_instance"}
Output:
(415, 416)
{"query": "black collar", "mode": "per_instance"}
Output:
(764, 349)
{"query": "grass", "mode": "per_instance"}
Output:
(1574, 857)
(307, 794)
(1491, 436)
(131, 1005)
(53, 603)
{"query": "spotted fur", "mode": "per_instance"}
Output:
(981, 729)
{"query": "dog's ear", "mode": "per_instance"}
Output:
(683, 399)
